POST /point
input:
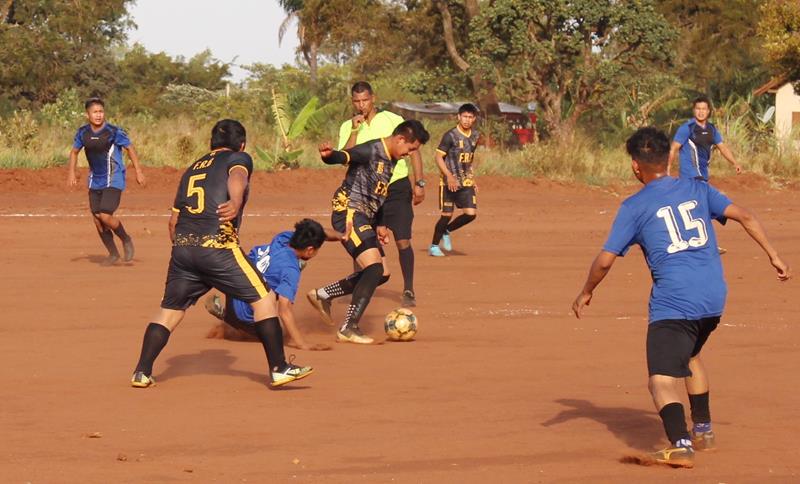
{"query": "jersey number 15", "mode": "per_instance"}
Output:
(689, 223)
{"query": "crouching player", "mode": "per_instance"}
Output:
(280, 263)
(204, 229)
(671, 220)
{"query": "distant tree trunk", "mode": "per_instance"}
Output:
(7, 12)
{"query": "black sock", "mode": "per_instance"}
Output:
(460, 221)
(155, 338)
(407, 268)
(369, 280)
(674, 422)
(440, 229)
(120, 231)
(271, 335)
(107, 236)
(700, 410)
(345, 286)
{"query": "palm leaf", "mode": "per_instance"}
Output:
(280, 112)
(299, 124)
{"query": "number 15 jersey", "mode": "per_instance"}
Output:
(671, 220)
(203, 187)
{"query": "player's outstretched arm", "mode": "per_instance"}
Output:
(728, 155)
(756, 231)
(286, 314)
(134, 156)
(237, 183)
(600, 267)
(334, 236)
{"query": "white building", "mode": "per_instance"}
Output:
(787, 106)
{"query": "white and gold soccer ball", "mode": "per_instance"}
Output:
(401, 325)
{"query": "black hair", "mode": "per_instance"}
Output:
(92, 101)
(702, 99)
(228, 133)
(648, 145)
(468, 108)
(361, 86)
(307, 233)
(412, 130)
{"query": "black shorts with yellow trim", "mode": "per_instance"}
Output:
(671, 343)
(193, 271)
(363, 235)
(464, 197)
(397, 211)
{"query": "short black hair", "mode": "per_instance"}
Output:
(468, 108)
(307, 233)
(702, 99)
(92, 101)
(412, 130)
(228, 133)
(361, 86)
(648, 145)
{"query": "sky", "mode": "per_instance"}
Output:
(244, 30)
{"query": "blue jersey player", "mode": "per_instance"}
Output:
(103, 144)
(280, 263)
(670, 219)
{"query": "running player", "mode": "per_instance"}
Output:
(694, 141)
(280, 263)
(671, 220)
(405, 187)
(457, 188)
(355, 207)
(204, 229)
(103, 143)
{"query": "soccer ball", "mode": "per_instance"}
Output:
(400, 325)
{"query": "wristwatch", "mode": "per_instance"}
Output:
(420, 183)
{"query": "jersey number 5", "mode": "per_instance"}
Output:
(193, 190)
(689, 222)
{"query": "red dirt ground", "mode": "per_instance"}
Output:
(502, 385)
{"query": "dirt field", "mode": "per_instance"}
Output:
(502, 385)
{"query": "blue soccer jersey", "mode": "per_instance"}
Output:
(104, 153)
(696, 143)
(670, 219)
(280, 266)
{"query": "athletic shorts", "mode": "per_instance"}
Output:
(397, 212)
(194, 270)
(464, 197)
(105, 200)
(234, 321)
(363, 236)
(671, 343)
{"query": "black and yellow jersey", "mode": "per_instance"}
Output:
(203, 187)
(458, 150)
(366, 184)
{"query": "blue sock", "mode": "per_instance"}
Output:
(702, 427)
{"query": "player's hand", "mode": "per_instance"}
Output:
(738, 168)
(72, 180)
(325, 149)
(784, 272)
(140, 179)
(452, 183)
(581, 301)
(228, 211)
(419, 194)
(357, 120)
(383, 234)
(348, 230)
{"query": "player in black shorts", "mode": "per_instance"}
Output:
(103, 144)
(204, 229)
(355, 206)
(455, 157)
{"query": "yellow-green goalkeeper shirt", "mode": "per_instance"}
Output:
(381, 126)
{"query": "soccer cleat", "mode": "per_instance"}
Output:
(447, 244)
(127, 247)
(323, 306)
(213, 305)
(140, 380)
(409, 299)
(353, 334)
(675, 457)
(290, 373)
(704, 440)
(435, 251)
(110, 260)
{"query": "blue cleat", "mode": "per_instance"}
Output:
(435, 251)
(446, 242)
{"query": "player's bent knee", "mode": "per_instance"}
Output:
(471, 213)
(169, 318)
(384, 279)
(265, 308)
(403, 244)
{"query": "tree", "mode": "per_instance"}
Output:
(50, 45)
(567, 55)
(780, 28)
